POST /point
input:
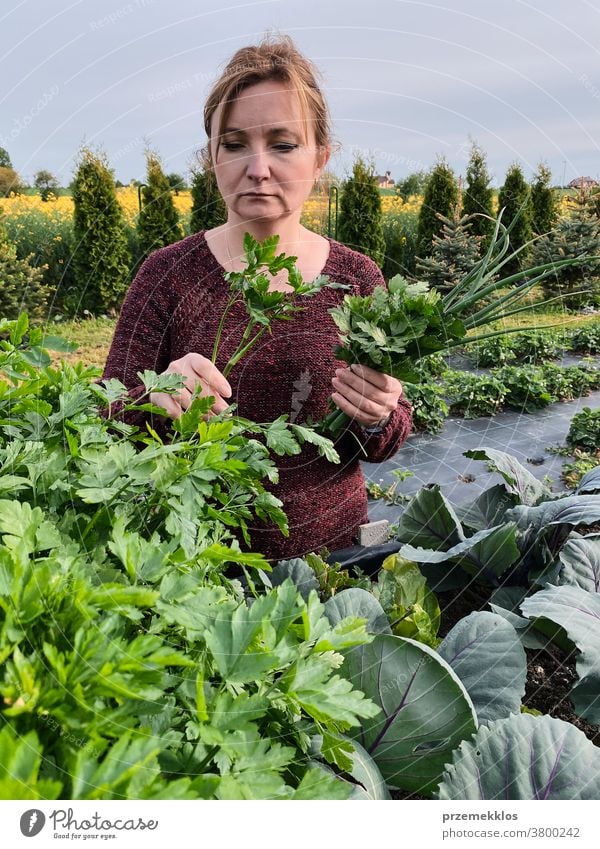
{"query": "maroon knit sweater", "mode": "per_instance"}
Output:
(173, 306)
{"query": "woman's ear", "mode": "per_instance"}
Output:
(323, 154)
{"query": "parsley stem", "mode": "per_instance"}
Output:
(229, 306)
(242, 349)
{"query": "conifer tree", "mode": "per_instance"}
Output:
(477, 197)
(101, 256)
(22, 286)
(575, 235)
(361, 217)
(208, 206)
(544, 202)
(441, 196)
(455, 252)
(158, 222)
(514, 197)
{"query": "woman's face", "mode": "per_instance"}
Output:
(264, 169)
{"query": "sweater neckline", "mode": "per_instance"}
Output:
(217, 264)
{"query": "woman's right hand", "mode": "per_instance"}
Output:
(196, 369)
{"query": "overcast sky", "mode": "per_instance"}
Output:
(406, 80)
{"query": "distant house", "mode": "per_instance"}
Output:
(583, 183)
(385, 182)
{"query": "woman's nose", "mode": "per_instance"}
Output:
(257, 166)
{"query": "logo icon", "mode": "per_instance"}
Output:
(32, 822)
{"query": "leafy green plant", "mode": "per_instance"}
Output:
(429, 409)
(493, 352)
(586, 339)
(569, 382)
(388, 493)
(572, 471)
(411, 607)
(525, 388)
(132, 665)
(426, 710)
(472, 395)
(524, 757)
(486, 653)
(512, 533)
(251, 288)
(584, 430)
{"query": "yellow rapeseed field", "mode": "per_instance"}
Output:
(314, 214)
(128, 199)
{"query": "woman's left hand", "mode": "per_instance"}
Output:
(365, 395)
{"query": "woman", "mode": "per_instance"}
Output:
(269, 140)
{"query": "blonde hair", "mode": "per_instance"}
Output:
(276, 59)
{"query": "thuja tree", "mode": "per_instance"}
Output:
(101, 256)
(514, 197)
(208, 206)
(21, 284)
(575, 235)
(455, 253)
(158, 222)
(441, 196)
(477, 197)
(361, 217)
(544, 201)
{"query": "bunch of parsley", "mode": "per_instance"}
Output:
(393, 329)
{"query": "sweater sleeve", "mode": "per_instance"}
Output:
(141, 339)
(383, 445)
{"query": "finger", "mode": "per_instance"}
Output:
(385, 382)
(220, 405)
(346, 377)
(211, 374)
(168, 403)
(359, 401)
(183, 399)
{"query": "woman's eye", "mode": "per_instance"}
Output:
(285, 148)
(230, 145)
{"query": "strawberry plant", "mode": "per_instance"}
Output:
(584, 430)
